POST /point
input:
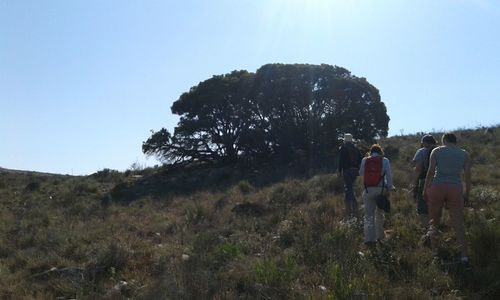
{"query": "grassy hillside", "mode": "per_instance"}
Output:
(266, 233)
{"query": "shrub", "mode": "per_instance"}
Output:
(249, 209)
(352, 281)
(278, 274)
(226, 252)
(194, 214)
(284, 196)
(107, 175)
(112, 259)
(85, 187)
(484, 195)
(322, 186)
(391, 152)
(484, 236)
(32, 186)
(244, 186)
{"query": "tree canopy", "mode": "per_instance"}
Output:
(279, 110)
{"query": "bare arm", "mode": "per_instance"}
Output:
(418, 166)
(430, 171)
(467, 171)
(417, 171)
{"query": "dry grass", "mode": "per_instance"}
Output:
(72, 237)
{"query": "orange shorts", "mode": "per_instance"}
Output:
(446, 194)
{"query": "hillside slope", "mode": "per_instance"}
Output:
(225, 234)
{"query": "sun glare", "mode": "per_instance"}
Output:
(310, 12)
(321, 7)
(286, 22)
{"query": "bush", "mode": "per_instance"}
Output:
(279, 274)
(32, 186)
(107, 175)
(85, 187)
(352, 281)
(112, 259)
(226, 252)
(286, 195)
(244, 186)
(484, 195)
(322, 186)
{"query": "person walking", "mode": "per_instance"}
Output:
(348, 168)
(443, 188)
(421, 165)
(377, 180)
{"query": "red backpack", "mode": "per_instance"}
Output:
(373, 171)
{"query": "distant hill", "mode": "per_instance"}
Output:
(4, 170)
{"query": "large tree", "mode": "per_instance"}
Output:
(279, 110)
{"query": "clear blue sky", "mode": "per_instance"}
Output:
(83, 82)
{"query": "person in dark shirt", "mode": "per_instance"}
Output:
(348, 168)
(421, 165)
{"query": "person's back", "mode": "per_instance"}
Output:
(350, 157)
(449, 165)
(422, 156)
(421, 163)
(443, 188)
(349, 160)
(374, 217)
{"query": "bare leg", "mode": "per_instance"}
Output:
(457, 222)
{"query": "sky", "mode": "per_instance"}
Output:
(83, 82)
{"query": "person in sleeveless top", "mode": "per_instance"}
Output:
(443, 188)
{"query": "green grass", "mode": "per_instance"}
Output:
(265, 236)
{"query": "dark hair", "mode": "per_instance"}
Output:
(450, 138)
(376, 148)
(428, 139)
